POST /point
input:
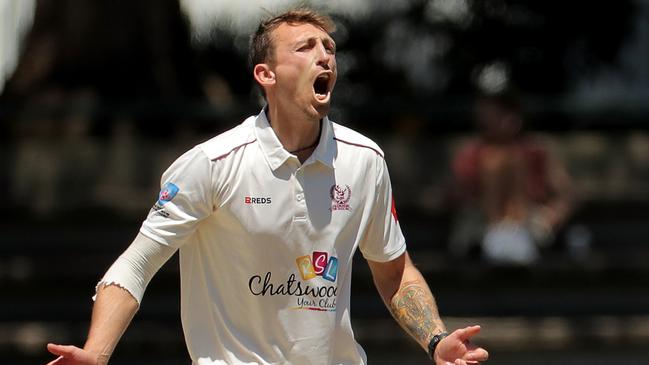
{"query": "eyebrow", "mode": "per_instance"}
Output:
(326, 41)
(330, 41)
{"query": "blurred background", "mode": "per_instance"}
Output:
(516, 132)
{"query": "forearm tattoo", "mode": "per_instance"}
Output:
(414, 308)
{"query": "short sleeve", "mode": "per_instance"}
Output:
(185, 199)
(383, 240)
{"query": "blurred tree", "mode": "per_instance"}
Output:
(404, 57)
(120, 49)
(542, 46)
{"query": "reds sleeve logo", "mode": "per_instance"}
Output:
(340, 197)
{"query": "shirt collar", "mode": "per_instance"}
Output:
(326, 149)
(275, 153)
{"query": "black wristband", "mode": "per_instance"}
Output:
(432, 345)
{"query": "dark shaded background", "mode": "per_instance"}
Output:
(108, 93)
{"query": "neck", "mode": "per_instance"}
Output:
(296, 133)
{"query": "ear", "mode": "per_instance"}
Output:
(264, 75)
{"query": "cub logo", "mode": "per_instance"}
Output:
(340, 197)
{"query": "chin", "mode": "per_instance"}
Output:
(321, 110)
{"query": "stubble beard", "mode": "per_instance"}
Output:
(322, 110)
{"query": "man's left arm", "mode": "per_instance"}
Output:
(406, 294)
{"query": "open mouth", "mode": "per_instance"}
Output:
(321, 86)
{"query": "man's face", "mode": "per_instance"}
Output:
(304, 64)
(496, 122)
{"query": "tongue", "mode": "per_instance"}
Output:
(320, 96)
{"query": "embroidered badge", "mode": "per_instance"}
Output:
(340, 197)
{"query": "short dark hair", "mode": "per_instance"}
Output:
(261, 44)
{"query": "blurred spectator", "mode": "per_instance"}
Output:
(512, 194)
(36, 168)
(55, 158)
(407, 141)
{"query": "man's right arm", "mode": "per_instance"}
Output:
(113, 310)
(118, 296)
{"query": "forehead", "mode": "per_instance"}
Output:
(287, 34)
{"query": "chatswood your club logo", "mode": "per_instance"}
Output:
(340, 197)
(309, 294)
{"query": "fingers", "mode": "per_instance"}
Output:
(477, 355)
(459, 349)
(464, 362)
(58, 361)
(62, 351)
(65, 351)
(468, 332)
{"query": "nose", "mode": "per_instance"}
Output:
(323, 57)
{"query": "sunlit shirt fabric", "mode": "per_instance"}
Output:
(266, 243)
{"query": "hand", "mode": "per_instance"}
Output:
(72, 355)
(456, 349)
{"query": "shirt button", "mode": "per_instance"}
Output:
(300, 197)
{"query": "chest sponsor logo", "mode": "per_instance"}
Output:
(340, 196)
(317, 291)
(250, 200)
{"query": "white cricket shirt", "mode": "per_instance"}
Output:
(266, 243)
